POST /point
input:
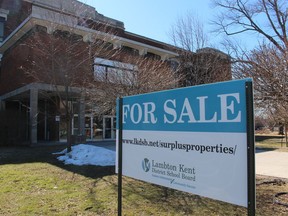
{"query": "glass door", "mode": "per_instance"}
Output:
(88, 127)
(97, 128)
(109, 127)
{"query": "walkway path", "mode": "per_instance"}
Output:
(272, 163)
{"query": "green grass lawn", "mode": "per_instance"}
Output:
(42, 189)
(45, 189)
(273, 143)
(33, 182)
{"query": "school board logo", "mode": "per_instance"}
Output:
(146, 165)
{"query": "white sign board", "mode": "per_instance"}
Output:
(191, 139)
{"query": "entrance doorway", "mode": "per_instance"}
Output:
(96, 128)
(93, 128)
(109, 127)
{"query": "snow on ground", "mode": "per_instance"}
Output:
(84, 154)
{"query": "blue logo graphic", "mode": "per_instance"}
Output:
(146, 165)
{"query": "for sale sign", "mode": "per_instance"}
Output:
(191, 139)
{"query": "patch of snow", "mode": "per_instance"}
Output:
(84, 154)
(61, 152)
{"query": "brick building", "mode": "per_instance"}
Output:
(30, 109)
(206, 65)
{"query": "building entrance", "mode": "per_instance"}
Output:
(97, 128)
(109, 127)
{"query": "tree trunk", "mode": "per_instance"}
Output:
(285, 128)
(69, 133)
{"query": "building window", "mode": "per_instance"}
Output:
(2, 26)
(153, 56)
(114, 71)
(3, 18)
(100, 73)
(129, 50)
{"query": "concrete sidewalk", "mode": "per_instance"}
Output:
(272, 163)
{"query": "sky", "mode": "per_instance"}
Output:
(154, 18)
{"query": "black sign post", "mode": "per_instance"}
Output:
(120, 126)
(250, 150)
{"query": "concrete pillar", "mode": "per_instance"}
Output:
(88, 38)
(81, 115)
(143, 51)
(50, 29)
(117, 45)
(164, 57)
(33, 115)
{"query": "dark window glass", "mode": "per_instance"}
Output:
(2, 25)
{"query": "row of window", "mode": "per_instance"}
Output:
(114, 71)
(118, 72)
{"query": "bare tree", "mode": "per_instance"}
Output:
(58, 61)
(268, 68)
(267, 18)
(267, 64)
(197, 64)
(188, 33)
(63, 58)
(207, 65)
(129, 75)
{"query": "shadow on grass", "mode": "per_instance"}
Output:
(44, 154)
(259, 138)
(264, 149)
(185, 203)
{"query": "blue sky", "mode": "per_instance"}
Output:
(154, 18)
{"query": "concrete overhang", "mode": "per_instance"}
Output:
(45, 91)
(87, 34)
